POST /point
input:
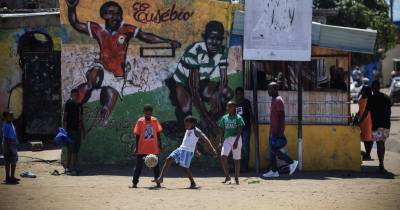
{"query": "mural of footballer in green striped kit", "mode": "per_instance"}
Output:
(200, 78)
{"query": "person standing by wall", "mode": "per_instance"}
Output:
(366, 124)
(243, 108)
(10, 143)
(232, 125)
(379, 105)
(73, 123)
(277, 130)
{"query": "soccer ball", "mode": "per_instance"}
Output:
(151, 160)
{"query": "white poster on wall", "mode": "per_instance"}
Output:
(278, 30)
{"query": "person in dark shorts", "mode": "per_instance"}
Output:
(243, 108)
(379, 105)
(73, 122)
(10, 142)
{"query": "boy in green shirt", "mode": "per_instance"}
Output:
(232, 124)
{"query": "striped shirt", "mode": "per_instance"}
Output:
(196, 57)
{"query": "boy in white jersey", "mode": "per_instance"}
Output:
(183, 155)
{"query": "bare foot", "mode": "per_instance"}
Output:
(158, 181)
(227, 180)
(237, 181)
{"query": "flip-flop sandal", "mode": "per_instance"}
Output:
(55, 173)
(28, 174)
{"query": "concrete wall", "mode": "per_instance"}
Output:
(23, 4)
(387, 64)
(30, 21)
(10, 70)
(325, 147)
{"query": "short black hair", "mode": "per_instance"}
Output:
(214, 26)
(239, 89)
(108, 4)
(367, 90)
(376, 82)
(75, 90)
(190, 119)
(147, 107)
(6, 113)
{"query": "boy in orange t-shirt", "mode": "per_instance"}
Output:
(147, 131)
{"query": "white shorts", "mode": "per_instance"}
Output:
(111, 80)
(227, 147)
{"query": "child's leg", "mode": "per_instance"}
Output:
(73, 158)
(8, 166)
(237, 170)
(237, 152)
(69, 154)
(165, 168)
(224, 163)
(190, 176)
(226, 149)
(13, 167)
(138, 170)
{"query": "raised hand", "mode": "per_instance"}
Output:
(72, 3)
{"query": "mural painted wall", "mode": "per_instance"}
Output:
(11, 92)
(171, 54)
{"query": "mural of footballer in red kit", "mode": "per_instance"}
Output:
(108, 73)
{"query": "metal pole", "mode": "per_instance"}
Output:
(255, 107)
(300, 113)
(391, 9)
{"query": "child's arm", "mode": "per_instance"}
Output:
(240, 128)
(6, 145)
(205, 138)
(136, 147)
(159, 142)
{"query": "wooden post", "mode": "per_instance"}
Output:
(255, 107)
(300, 113)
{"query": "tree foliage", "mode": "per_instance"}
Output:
(373, 14)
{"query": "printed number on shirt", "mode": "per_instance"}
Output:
(239, 110)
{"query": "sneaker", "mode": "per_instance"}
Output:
(11, 181)
(293, 167)
(381, 169)
(271, 174)
(15, 179)
(367, 157)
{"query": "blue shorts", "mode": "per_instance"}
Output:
(182, 157)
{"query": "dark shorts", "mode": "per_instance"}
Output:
(76, 136)
(12, 156)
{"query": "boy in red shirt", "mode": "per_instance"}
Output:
(147, 131)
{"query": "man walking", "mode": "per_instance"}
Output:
(379, 105)
(277, 139)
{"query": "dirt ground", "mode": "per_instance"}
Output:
(106, 187)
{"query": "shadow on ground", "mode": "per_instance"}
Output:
(366, 172)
